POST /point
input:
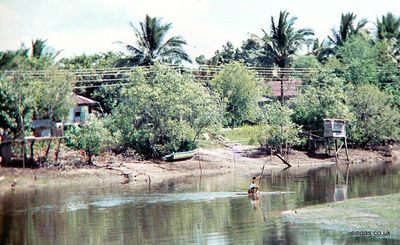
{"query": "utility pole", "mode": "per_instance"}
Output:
(282, 95)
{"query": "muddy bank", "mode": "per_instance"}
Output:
(111, 169)
(374, 217)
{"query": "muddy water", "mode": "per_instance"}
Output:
(188, 210)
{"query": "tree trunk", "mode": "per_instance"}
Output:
(90, 158)
(48, 150)
(58, 149)
(32, 151)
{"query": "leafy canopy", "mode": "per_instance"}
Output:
(164, 112)
(92, 137)
(376, 120)
(240, 90)
(279, 128)
(24, 97)
(325, 96)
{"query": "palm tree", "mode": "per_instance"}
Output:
(41, 50)
(388, 27)
(150, 46)
(322, 50)
(9, 59)
(283, 39)
(346, 29)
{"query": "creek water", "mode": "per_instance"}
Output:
(189, 210)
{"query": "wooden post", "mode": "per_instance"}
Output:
(282, 97)
(48, 149)
(326, 146)
(58, 149)
(23, 152)
(329, 146)
(345, 146)
(336, 148)
(32, 150)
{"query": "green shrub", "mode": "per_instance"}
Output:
(164, 112)
(91, 137)
(376, 119)
(240, 90)
(326, 96)
(279, 128)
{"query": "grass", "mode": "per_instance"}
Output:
(245, 135)
(209, 144)
(380, 213)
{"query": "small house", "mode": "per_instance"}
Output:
(84, 106)
(335, 128)
(77, 115)
(42, 127)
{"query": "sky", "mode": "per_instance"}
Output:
(91, 26)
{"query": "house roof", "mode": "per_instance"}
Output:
(41, 123)
(290, 88)
(81, 100)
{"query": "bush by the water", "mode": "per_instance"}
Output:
(163, 112)
(325, 96)
(279, 128)
(240, 90)
(92, 137)
(377, 120)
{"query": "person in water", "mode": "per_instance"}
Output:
(254, 188)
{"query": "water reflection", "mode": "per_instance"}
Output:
(188, 210)
(341, 184)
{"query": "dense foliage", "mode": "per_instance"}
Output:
(163, 112)
(279, 130)
(376, 120)
(325, 96)
(24, 97)
(240, 90)
(353, 74)
(92, 137)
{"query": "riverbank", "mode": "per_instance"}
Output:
(374, 217)
(112, 169)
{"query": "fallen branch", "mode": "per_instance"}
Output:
(283, 160)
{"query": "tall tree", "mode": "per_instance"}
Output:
(284, 40)
(150, 45)
(240, 90)
(40, 49)
(38, 56)
(388, 27)
(347, 28)
(9, 59)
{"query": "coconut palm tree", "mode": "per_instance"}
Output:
(41, 50)
(9, 59)
(284, 40)
(388, 27)
(346, 29)
(322, 50)
(151, 47)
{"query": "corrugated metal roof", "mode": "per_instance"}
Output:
(81, 100)
(290, 88)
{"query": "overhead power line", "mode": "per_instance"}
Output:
(108, 76)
